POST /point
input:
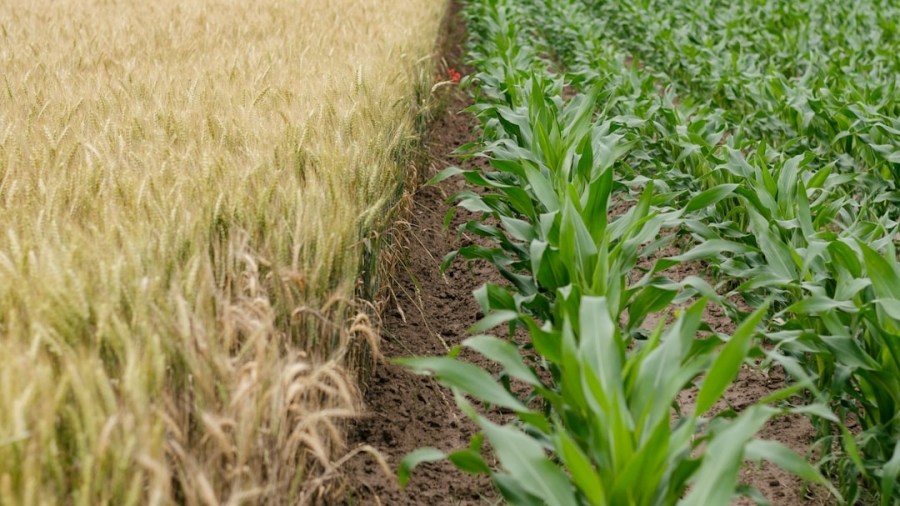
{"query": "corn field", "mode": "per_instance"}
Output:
(761, 140)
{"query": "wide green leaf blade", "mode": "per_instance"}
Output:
(649, 300)
(820, 303)
(494, 319)
(469, 461)
(728, 363)
(518, 229)
(542, 189)
(710, 248)
(722, 459)
(444, 174)
(415, 458)
(890, 476)
(513, 491)
(525, 460)
(782, 456)
(469, 378)
(581, 469)
(504, 353)
(709, 197)
(883, 273)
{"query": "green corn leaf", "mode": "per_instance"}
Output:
(660, 375)
(704, 250)
(787, 179)
(475, 205)
(804, 215)
(847, 351)
(537, 249)
(782, 456)
(612, 420)
(819, 178)
(851, 449)
(477, 179)
(513, 491)
(599, 342)
(648, 465)
(492, 297)
(778, 254)
(891, 307)
(526, 462)
(415, 458)
(444, 174)
(753, 494)
(547, 266)
(851, 288)
(754, 200)
(493, 320)
(519, 229)
(649, 300)
(722, 459)
(766, 188)
(521, 202)
(571, 385)
(468, 378)
(476, 443)
(542, 189)
(579, 466)
(549, 226)
(585, 158)
(884, 274)
(818, 304)
(726, 366)
(447, 261)
(576, 240)
(890, 476)
(504, 353)
(597, 205)
(709, 197)
(600, 284)
(469, 461)
(682, 473)
(524, 284)
(547, 343)
(817, 410)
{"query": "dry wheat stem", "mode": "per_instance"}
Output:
(177, 179)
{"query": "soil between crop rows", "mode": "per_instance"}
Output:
(431, 313)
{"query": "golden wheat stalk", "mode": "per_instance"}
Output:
(176, 181)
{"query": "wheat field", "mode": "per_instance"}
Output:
(191, 196)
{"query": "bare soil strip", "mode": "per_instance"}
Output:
(428, 314)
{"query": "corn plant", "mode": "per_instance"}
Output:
(810, 158)
(842, 329)
(602, 392)
(608, 427)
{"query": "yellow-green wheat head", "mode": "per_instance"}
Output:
(184, 192)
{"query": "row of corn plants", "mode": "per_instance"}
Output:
(598, 422)
(811, 231)
(820, 74)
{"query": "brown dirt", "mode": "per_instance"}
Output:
(430, 313)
